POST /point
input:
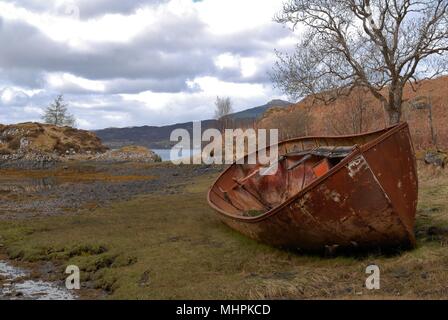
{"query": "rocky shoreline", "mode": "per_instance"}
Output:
(28, 160)
(135, 154)
(41, 146)
(31, 160)
(68, 188)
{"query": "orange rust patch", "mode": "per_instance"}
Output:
(321, 168)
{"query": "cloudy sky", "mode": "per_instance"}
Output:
(141, 62)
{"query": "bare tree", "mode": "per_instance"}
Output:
(223, 110)
(357, 116)
(290, 124)
(223, 107)
(379, 44)
(57, 113)
(425, 103)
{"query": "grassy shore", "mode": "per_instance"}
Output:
(172, 246)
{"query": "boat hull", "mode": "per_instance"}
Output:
(368, 200)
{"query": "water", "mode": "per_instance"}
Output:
(15, 286)
(165, 154)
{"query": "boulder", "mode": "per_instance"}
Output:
(436, 158)
(35, 145)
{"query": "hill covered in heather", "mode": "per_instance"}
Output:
(36, 145)
(45, 138)
(360, 112)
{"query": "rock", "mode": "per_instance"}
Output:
(436, 158)
(330, 251)
(437, 231)
(28, 160)
(129, 154)
(40, 146)
(431, 210)
(400, 272)
(144, 279)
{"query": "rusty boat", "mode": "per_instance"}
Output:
(357, 191)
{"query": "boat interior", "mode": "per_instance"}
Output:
(243, 190)
(250, 193)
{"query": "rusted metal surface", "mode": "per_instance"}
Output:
(365, 195)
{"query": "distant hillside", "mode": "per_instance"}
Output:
(257, 112)
(159, 137)
(148, 136)
(343, 115)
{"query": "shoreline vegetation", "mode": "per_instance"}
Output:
(158, 239)
(138, 226)
(141, 228)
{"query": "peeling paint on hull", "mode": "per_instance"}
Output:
(368, 199)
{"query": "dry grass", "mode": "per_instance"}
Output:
(174, 247)
(49, 138)
(71, 175)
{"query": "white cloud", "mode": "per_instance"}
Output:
(63, 81)
(199, 105)
(7, 95)
(213, 87)
(227, 60)
(146, 62)
(233, 16)
(83, 33)
(249, 67)
(13, 96)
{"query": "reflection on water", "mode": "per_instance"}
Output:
(165, 154)
(13, 287)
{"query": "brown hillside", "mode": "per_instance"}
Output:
(43, 138)
(361, 112)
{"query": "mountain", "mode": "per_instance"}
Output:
(159, 137)
(148, 136)
(257, 112)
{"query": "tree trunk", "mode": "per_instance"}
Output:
(394, 116)
(394, 106)
(431, 125)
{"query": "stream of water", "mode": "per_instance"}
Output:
(14, 285)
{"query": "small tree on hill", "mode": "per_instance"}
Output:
(223, 107)
(223, 110)
(57, 113)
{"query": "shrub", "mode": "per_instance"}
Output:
(14, 144)
(157, 158)
(62, 147)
